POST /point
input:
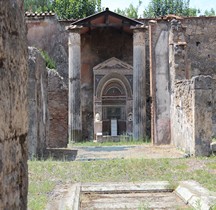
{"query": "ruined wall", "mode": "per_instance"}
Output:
(182, 116)
(37, 97)
(98, 45)
(47, 33)
(13, 106)
(58, 110)
(201, 44)
(192, 115)
(214, 107)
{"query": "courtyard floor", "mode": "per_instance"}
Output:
(89, 153)
(51, 177)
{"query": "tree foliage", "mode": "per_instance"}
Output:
(157, 8)
(37, 5)
(210, 12)
(131, 11)
(65, 9)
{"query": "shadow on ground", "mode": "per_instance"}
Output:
(61, 154)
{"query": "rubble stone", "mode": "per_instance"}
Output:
(58, 110)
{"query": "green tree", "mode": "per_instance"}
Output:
(67, 9)
(211, 12)
(131, 11)
(37, 5)
(157, 8)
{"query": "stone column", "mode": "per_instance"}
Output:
(152, 29)
(74, 104)
(139, 83)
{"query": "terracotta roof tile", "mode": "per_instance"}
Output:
(41, 14)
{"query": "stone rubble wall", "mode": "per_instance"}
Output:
(201, 44)
(192, 115)
(182, 116)
(58, 110)
(38, 108)
(13, 106)
(202, 100)
(49, 34)
(191, 100)
(214, 107)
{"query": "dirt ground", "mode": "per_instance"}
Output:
(112, 152)
(91, 153)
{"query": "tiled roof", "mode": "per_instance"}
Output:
(41, 14)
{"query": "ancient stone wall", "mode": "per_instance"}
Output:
(214, 107)
(182, 116)
(192, 115)
(38, 109)
(13, 106)
(189, 52)
(47, 33)
(201, 44)
(58, 110)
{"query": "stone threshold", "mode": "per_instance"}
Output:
(190, 192)
(196, 196)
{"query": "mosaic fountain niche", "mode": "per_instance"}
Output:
(113, 100)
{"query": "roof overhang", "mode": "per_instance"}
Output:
(106, 19)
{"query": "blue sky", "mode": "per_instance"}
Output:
(199, 4)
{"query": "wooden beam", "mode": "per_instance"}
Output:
(100, 25)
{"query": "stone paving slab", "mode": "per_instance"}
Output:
(195, 195)
(162, 186)
(146, 195)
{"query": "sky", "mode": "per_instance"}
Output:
(122, 4)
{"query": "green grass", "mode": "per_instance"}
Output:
(50, 63)
(45, 175)
(214, 139)
(98, 144)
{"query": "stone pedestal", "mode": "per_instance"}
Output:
(139, 82)
(75, 111)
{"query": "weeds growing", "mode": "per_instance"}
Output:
(45, 175)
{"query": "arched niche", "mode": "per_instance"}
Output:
(113, 96)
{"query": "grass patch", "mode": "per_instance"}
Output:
(212, 166)
(45, 175)
(214, 139)
(100, 144)
(50, 63)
